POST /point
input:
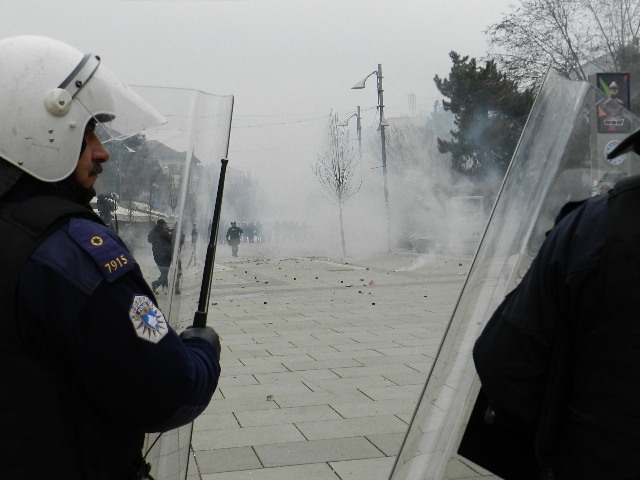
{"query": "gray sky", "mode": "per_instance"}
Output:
(287, 62)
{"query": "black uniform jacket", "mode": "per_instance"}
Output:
(579, 298)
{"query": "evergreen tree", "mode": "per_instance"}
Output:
(490, 113)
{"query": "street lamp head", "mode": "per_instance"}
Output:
(345, 122)
(361, 83)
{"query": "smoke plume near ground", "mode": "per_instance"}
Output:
(429, 213)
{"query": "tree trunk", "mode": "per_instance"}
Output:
(344, 249)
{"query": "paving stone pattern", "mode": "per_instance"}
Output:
(323, 361)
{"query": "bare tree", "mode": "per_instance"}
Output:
(564, 35)
(242, 196)
(336, 170)
(413, 147)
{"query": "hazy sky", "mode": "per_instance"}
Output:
(287, 62)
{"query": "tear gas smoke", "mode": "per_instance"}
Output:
(432, 211)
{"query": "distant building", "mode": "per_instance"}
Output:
(171, 161)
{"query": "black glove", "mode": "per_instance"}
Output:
(206, 333)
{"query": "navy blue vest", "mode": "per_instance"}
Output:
(46, 425)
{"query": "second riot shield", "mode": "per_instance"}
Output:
(560, 158)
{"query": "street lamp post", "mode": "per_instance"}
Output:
(345, 122)
(383, 124)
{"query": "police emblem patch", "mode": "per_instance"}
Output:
(148, 321)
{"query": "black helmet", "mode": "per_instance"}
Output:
(233, 224)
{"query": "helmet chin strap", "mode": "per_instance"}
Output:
(58, 100)
(81, 74)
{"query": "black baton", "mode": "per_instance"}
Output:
(200, 317)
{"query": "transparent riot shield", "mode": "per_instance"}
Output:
(169, 172)
(560, 158)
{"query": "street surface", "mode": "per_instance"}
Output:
(323, 359)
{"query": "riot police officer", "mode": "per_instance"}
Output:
(560, 356)
(89, 362)
(234, 233)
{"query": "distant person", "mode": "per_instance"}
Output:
(258, 232)
(244, 235)
(161, 242)
(194, 236)
(194, 242)
(251, 233)
(107, 204)
(233, 238)
(179, 270)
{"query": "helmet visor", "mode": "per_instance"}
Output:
(119, 111)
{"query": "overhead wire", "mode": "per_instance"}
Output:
(277, 123)
(283, 115)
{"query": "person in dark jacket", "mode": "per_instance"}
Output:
(89, 361)
(561, 353)
(161, 242)
(233, 238)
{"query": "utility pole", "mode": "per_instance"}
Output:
(384, 155)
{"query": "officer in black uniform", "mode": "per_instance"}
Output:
(233, 238)
(89, 363)
(561, 355)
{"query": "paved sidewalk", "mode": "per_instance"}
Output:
(323, 361)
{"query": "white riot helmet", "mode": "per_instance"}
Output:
(50, 91)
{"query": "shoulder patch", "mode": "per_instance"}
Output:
(112, 258)
(147, 319)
